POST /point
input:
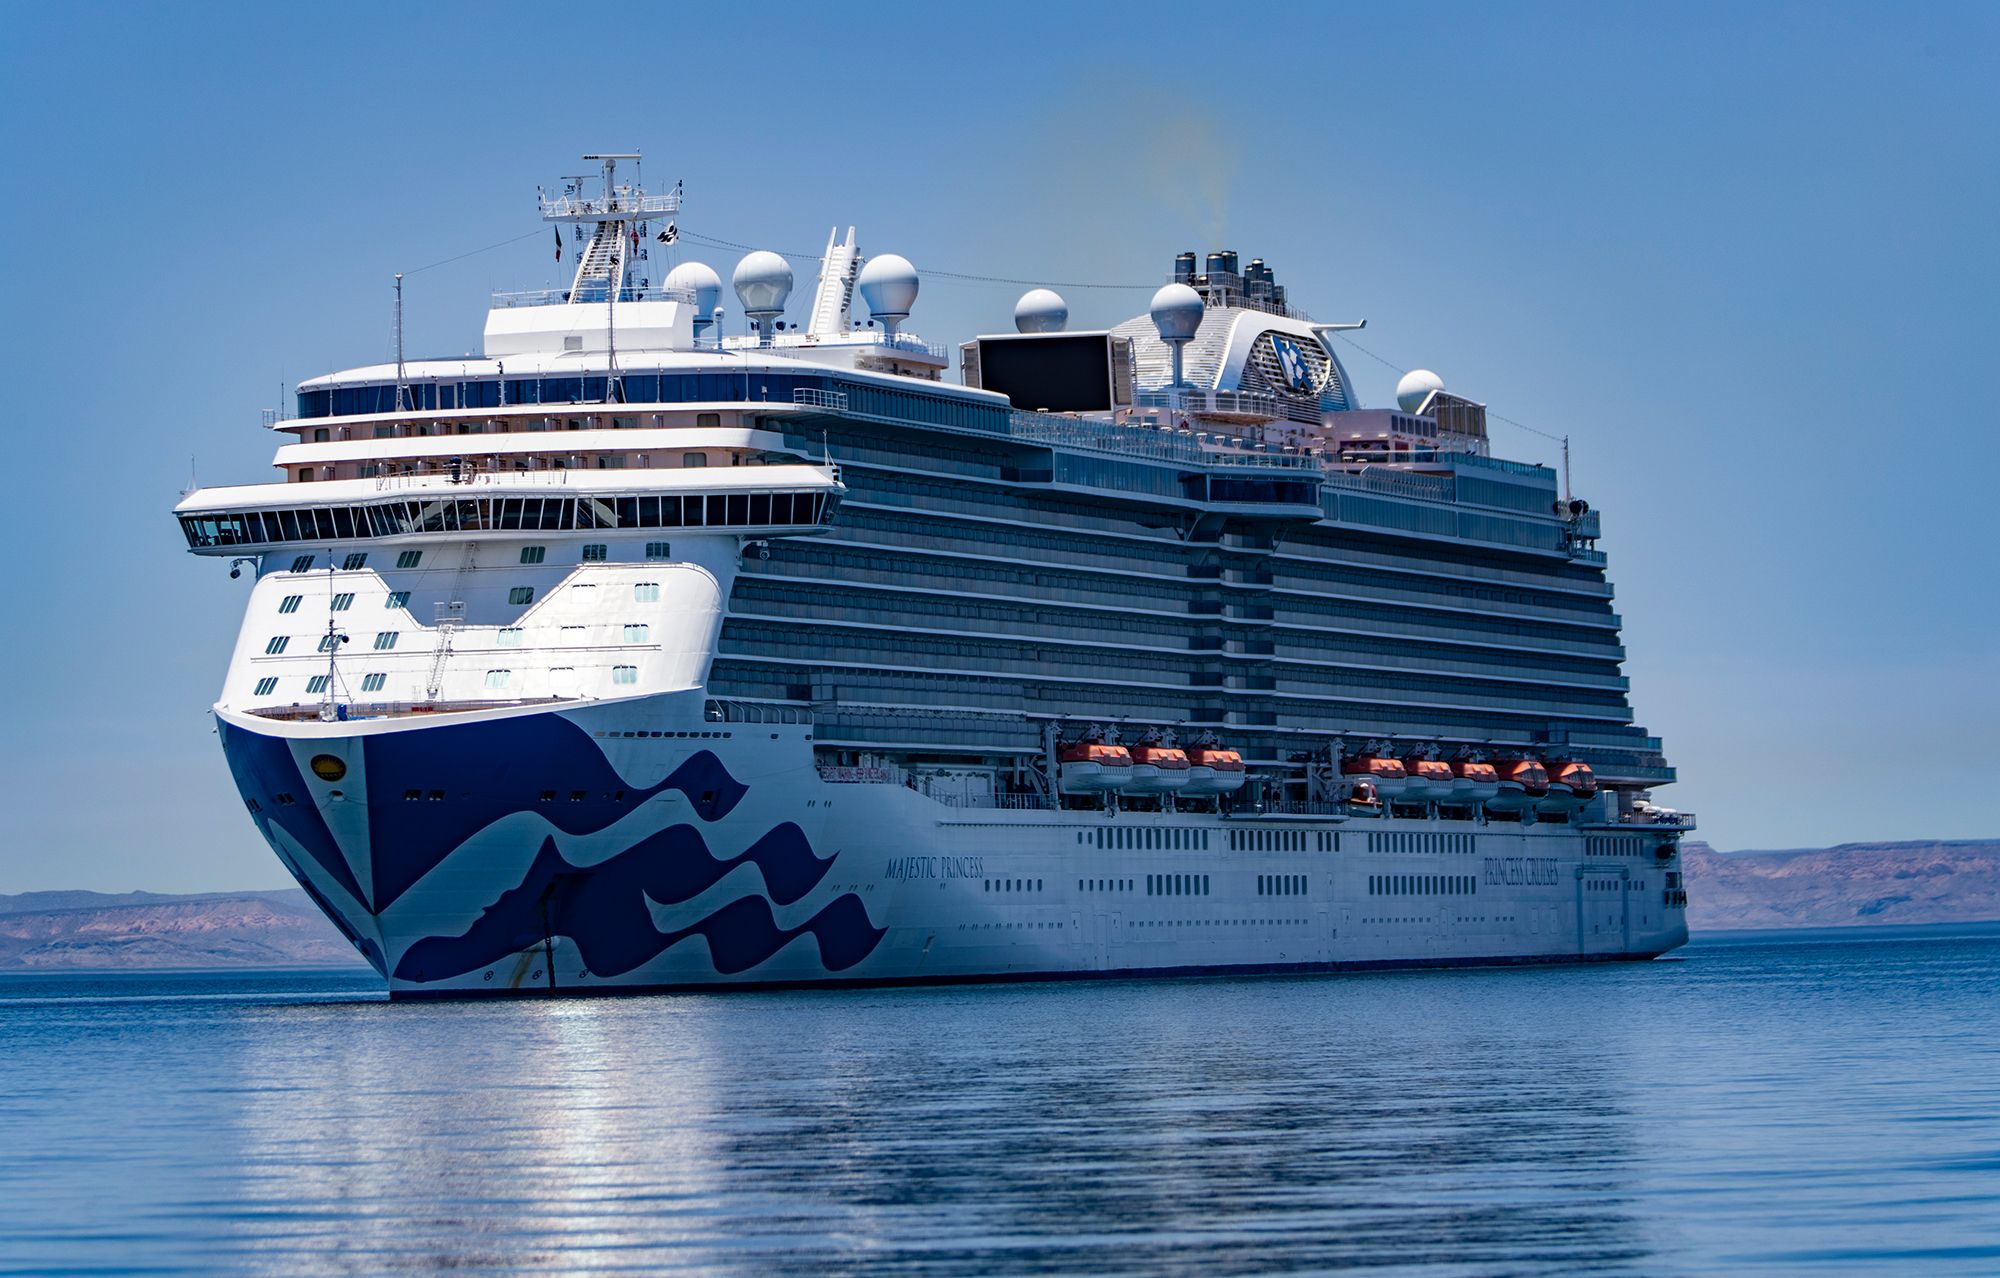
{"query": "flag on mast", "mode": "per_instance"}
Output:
(558, 231)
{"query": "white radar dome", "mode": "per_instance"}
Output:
(889, 285)
(763, 281)
(700, 279)
(1176, 312)
(1415, 388)
(1040, 310)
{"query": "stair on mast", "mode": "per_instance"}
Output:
(837, 272)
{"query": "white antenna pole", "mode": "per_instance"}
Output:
(402, 381)
(1566, 492)
(326, 710)
(611, 325)
(611, 295)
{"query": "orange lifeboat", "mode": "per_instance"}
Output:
(1091, 765)
(1158, 767)
(1522, 782)
(1571, 785)
(1212, 770)
(1473, 781)
(1582, 782)
(1391, 778)
(1430, 780)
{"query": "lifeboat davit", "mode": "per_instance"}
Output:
(1474, 782)
(1390, 777)
(1430, 780)
(1093, 767)
(1363, 799)
(1158, 768)
(1523, 782)
(1212, 770)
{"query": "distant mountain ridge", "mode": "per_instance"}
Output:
(122, 930)
(1852, 885)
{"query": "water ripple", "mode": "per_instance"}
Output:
(1764, 1106)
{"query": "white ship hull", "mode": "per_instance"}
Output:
(638, 653)
(725, 860)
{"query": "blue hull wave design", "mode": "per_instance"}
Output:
(263, 766)
(603, 909)
(493, 770)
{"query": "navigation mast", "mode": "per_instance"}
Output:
(618, 220)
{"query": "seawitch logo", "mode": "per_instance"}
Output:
(1292, 362)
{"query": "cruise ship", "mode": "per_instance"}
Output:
(668, 647)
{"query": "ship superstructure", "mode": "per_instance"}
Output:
(637, 653)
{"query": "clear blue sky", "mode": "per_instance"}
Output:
(1744, 256)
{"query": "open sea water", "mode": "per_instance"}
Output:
(1806, 1102)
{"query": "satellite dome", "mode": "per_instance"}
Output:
(1041, 310)
(889, 285)
(763, 281)
(700, 279)
(1416, 387)
(1176, 312)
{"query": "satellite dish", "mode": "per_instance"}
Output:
(1041, 310)
(1176, 312)
(700, 279)
(889, 285)
(763, 281)
(1416, 387)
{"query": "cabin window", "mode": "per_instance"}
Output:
(373, 682)
(266, 686)
(694, 459)
(354, 560)
(290, 603)
(659, 550)
(497, 678)
(277, 645)
(385, 639)
(637, 633)
(342, 602)
(646, 592)
(328, 642)
(624, 674)
(595, 552)
(316, 684)
(409, 559)
(303, 563)
(510, 636)
(533, 554)
(708, 419)
(397, 599)
(521, 595)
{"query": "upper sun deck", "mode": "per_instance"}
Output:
(751, 501)
(627, 376)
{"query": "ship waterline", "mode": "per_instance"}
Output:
(637, 655)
